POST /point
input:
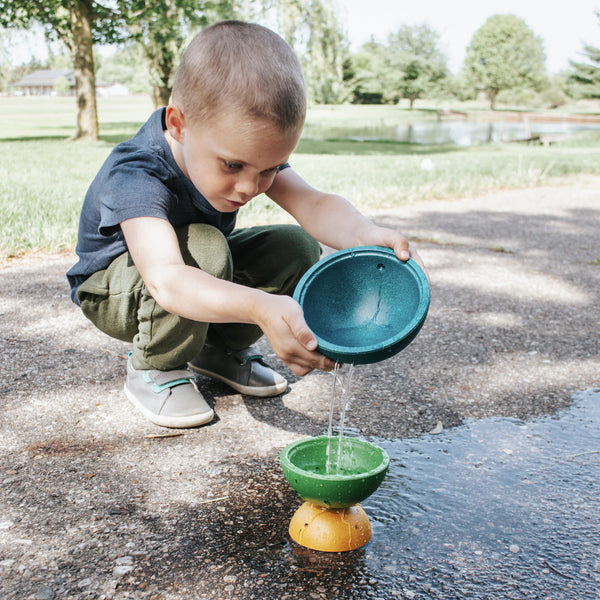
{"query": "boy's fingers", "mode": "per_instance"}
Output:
(328, 365)
(302, 333)
(311, 342)
(299, 369)
(302, 365)
(402, 250)
(307, 339)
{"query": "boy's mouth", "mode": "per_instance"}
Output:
(234, 203)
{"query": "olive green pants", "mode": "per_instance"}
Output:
(271, 258)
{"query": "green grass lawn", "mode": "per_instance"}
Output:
(44, 176)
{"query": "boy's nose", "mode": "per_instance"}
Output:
(248, 186)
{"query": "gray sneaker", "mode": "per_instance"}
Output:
(167, 398)
(243, 370)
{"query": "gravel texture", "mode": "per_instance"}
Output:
(95, 503)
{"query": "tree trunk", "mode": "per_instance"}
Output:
(162, 66)
(493, 94)
(83, 65)
(161, 95)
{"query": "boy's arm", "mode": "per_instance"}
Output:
(194, 294)
(331, 219)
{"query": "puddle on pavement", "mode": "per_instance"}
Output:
(494, 508)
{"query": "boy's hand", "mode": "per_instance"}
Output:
(282, 322)
(389, 238)
(404, 251)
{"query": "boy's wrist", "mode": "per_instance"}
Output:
(255, 307)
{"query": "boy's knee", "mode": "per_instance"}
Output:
(302, 249)
(205, 247)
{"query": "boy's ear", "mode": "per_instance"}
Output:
(175, 122)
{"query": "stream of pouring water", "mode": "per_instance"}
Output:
(345, 385)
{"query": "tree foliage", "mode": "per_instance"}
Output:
(123, 67)
(312, 29)
(326, 50)
(163, 29)
(409, 65)
(366, 74)
(505, 54)
(584, 77)
(417, 61)
(9, 72)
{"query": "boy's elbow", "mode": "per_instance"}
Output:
(161, 296)
(163, 292)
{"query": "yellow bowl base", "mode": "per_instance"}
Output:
(330, 529)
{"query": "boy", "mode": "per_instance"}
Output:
(160, 263)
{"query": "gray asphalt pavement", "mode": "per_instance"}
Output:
(95, 502)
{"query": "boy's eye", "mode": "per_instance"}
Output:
(233, 166)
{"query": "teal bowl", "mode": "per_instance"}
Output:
(362, 468)
(364, 304)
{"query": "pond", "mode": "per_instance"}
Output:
(454, 132)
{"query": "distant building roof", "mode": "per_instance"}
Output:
(42, 83)
(46, 78)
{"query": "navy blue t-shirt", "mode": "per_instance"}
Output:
(140, 178)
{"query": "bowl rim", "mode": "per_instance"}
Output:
(286, 463)
(326, 346)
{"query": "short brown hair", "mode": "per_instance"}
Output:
(241, 66)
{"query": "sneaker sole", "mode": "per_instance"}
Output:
(172, 422)
(262, 392)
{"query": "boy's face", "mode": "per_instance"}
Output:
(230, 159)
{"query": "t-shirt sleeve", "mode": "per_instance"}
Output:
(133, 187)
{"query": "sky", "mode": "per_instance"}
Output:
(563, 26)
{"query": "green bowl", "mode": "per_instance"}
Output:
(362, 467)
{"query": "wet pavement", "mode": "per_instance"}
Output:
(495, 508)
